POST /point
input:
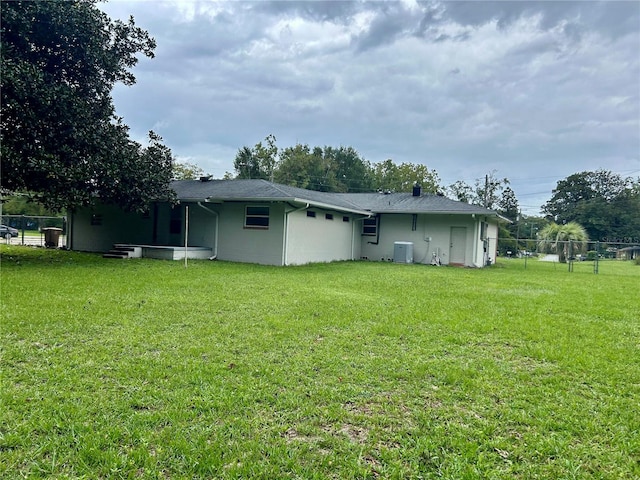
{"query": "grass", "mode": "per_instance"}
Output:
(145, 369)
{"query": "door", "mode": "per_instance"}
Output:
(458, 245)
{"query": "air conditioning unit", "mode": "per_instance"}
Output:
(403, 252)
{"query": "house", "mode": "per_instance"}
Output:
(257, 221)
(628, 253)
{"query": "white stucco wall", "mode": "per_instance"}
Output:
(432, 234)
(252, 245)
(308, 239)
(317, 239)
(492, 241)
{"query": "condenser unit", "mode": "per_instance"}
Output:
(403, 252)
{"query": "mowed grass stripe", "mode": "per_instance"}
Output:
(145, 369)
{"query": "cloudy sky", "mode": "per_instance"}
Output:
(533, 91)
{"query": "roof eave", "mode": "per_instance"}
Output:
(296, 200)
(442, 212)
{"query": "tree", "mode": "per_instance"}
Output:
(325, 169)
(22, 205)
(60, 139)
(605, 203)
(460, 191)
(488, 189)
(565, 240)
(352, 172)
(508, 204)
(486, 192)
(246, 165)
(186, 171)
(388, 176)
(295, 166)
(258, 162)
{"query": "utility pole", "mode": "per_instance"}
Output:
(486, 191)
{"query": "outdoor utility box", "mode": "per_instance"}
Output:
(51, 236)
(403, 252)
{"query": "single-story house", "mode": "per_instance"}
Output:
(257, 221)
(628, 253)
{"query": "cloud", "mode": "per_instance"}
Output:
(530, 89)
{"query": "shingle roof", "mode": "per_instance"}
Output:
(258, 190)
(262, 190)
(407, 203)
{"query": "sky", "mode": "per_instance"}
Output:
(528, 91)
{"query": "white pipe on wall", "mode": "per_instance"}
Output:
(285, 233)
(215, 238)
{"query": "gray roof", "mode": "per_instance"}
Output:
(408, 203)
(363, 203)
(259, 190)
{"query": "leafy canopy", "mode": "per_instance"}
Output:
(60, 137)
(604, 203)
(186, 171)
(490, 192)
(329, 169)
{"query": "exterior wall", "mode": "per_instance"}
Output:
(308, 239)
(492, 242)
(236, 243)
(115, 226)
(432, 234)
(317, 239)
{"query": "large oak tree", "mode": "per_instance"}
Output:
(61, 140)
(603, 202)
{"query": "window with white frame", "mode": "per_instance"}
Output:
(370, 226)
(256, 217)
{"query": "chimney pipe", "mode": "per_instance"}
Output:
(417, 190)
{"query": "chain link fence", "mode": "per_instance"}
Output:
(34, 230)
(568, 252)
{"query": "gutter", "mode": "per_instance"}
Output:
(215, 240)
(310, 203)
(285, 233)
(476, 239)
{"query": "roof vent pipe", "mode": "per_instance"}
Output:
(417, 190)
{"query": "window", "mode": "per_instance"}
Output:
(256, 217)
(370, 226)
(345, 219)
(328, 216)
(96, 219)
(311, 213)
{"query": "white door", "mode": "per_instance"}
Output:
(458, 245)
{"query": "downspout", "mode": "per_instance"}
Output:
(378, 220)
(285, 233)
(215, 240)
(476, 236)
(70, 220)
(353, 235)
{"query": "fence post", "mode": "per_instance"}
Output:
(595, 262)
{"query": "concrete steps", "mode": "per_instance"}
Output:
(124, 251)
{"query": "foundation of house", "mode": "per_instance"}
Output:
(161, 252)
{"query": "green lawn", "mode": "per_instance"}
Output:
(147, 369)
